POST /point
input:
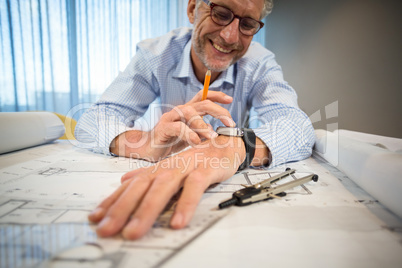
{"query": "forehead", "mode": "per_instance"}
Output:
(243, 8)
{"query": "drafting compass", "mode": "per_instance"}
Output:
(264, 190)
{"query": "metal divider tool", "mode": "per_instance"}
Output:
(264, 190)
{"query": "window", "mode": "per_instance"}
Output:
(56, 54)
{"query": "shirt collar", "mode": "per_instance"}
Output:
(185, 70)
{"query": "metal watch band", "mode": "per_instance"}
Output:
(249, 142)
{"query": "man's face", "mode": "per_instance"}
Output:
(217, 47)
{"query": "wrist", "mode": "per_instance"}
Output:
(249, 141)
(228, 146)
(133, 144)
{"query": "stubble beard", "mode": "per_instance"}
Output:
(199, 50)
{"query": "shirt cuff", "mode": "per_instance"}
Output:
(287, 139)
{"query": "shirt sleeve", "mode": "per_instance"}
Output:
(284, 128)
(123, 102)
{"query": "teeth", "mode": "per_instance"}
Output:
(221, 49)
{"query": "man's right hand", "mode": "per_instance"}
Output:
(177, 129)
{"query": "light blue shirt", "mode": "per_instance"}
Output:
(162, 69)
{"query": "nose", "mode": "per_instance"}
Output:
(230, 33)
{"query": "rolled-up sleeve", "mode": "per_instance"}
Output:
(123, 102)
(284, 128)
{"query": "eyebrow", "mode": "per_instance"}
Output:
(224, 5)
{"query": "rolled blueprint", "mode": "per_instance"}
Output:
(375, 169)
(20, 130)
(392, 144)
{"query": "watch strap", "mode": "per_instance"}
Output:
(250, 144)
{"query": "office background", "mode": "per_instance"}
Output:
(343, 54)
(344, 51)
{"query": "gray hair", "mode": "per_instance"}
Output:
(268, 5)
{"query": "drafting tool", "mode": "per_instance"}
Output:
(206, 85)
(265, 190)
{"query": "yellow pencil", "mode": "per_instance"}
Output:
(206, 85)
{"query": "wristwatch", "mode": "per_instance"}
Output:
(248, 137)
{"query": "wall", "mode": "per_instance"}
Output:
(344, 55)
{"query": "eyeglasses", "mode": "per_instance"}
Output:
(224, 16)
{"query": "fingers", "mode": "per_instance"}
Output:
(99, 212)
(215, 96)
(129, 175)
(194, 187)
(190, 115)
(185, 122)
(159, 194)
(183, 132)
(136, 204)
(213, 109)
(141, 198)
(122, 208)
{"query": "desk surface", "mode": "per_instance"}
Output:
(46, 193)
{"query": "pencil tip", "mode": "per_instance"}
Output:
(208, 72)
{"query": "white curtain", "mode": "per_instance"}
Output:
(57, 54)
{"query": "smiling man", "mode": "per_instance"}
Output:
(245, 75)
(215, 49)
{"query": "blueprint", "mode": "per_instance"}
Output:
(47, 192)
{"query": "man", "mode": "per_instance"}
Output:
(172, 67)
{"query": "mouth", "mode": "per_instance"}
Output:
(221, 49)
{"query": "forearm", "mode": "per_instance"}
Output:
(233, 147)
(138, 144)
(133, 144)
(143, 145)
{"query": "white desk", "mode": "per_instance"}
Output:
(46, 193)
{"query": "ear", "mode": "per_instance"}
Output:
(191, 10)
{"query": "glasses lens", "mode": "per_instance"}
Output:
(221, 15)
(249, 26)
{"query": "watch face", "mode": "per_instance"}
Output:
(230, 131)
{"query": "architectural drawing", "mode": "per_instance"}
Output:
(47, 192)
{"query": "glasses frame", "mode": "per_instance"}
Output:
(212, 5)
